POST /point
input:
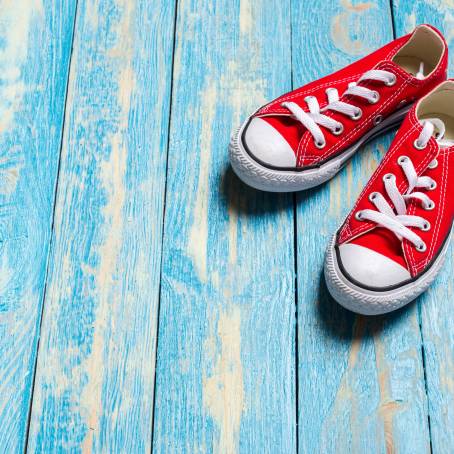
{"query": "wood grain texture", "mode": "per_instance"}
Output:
(94, 382)
(35, 44)
(437, 305)
(361, 381)
(225, 373)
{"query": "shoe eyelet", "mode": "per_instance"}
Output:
(376, 97)
(373, 196)
(388, 177)
(430, 206)
(357, 115)
(402, 159)
(421, 247)
(432, 186)
(391, 81)
(319, 145)
(378, 119)
(359, 216)
(338, 130)
(433, 164)
(418, 146)
(426, 227)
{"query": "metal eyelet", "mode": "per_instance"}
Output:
(402, 159)
(418, 146)
(357, 115)
(432, 186)
(338, 130)
(378, 119)
(376, 97)
(319, 145)
(426, 227)
(359, 216)
(373, 196)
(392, 81)
(388, 176)
(430, 206)
(433, 164)
(421, 247)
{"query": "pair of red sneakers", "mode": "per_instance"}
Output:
(392, 244)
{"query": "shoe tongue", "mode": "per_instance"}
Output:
(420, 74)
(439, 131)
(411, 70)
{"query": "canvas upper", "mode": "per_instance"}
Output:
(276, 138)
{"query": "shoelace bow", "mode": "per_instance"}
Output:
(398, 221)
(315, 117)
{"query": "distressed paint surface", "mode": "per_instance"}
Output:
(361, 380)
(94, 382)
(228, 376)
(225, 370)
(436, 307)
(35, 44)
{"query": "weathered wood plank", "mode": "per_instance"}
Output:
(94, 383)
(225, 373)
(361, 386)
(35, 46)
(437, 305)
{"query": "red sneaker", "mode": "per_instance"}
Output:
(303, 138)
(393, 243)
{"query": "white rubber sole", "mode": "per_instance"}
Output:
(274, 180)
(368, 302)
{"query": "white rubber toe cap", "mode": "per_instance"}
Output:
(267, 145)
(371, 269)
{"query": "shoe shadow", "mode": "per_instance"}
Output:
(242, 199)
(341, 324)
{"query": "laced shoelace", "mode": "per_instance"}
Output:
(399, 221)
(315, 117)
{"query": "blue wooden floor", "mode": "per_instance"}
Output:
(149, 301)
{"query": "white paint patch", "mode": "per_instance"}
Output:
(112, 175)
(15, 20)
(198, 235)
(10, 166)
(388, 407)
(246, 20)
(223, 391)
(410, 21)
(14, 29)
(343, 23)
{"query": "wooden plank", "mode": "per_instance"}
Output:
(225, 373)
(437, 305)
(94, 383)
(361, 385)
(35, 45)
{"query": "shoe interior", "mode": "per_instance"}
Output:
(440, 104)
(425, 46)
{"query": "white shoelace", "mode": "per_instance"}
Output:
(315, 117)
(398, 223)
